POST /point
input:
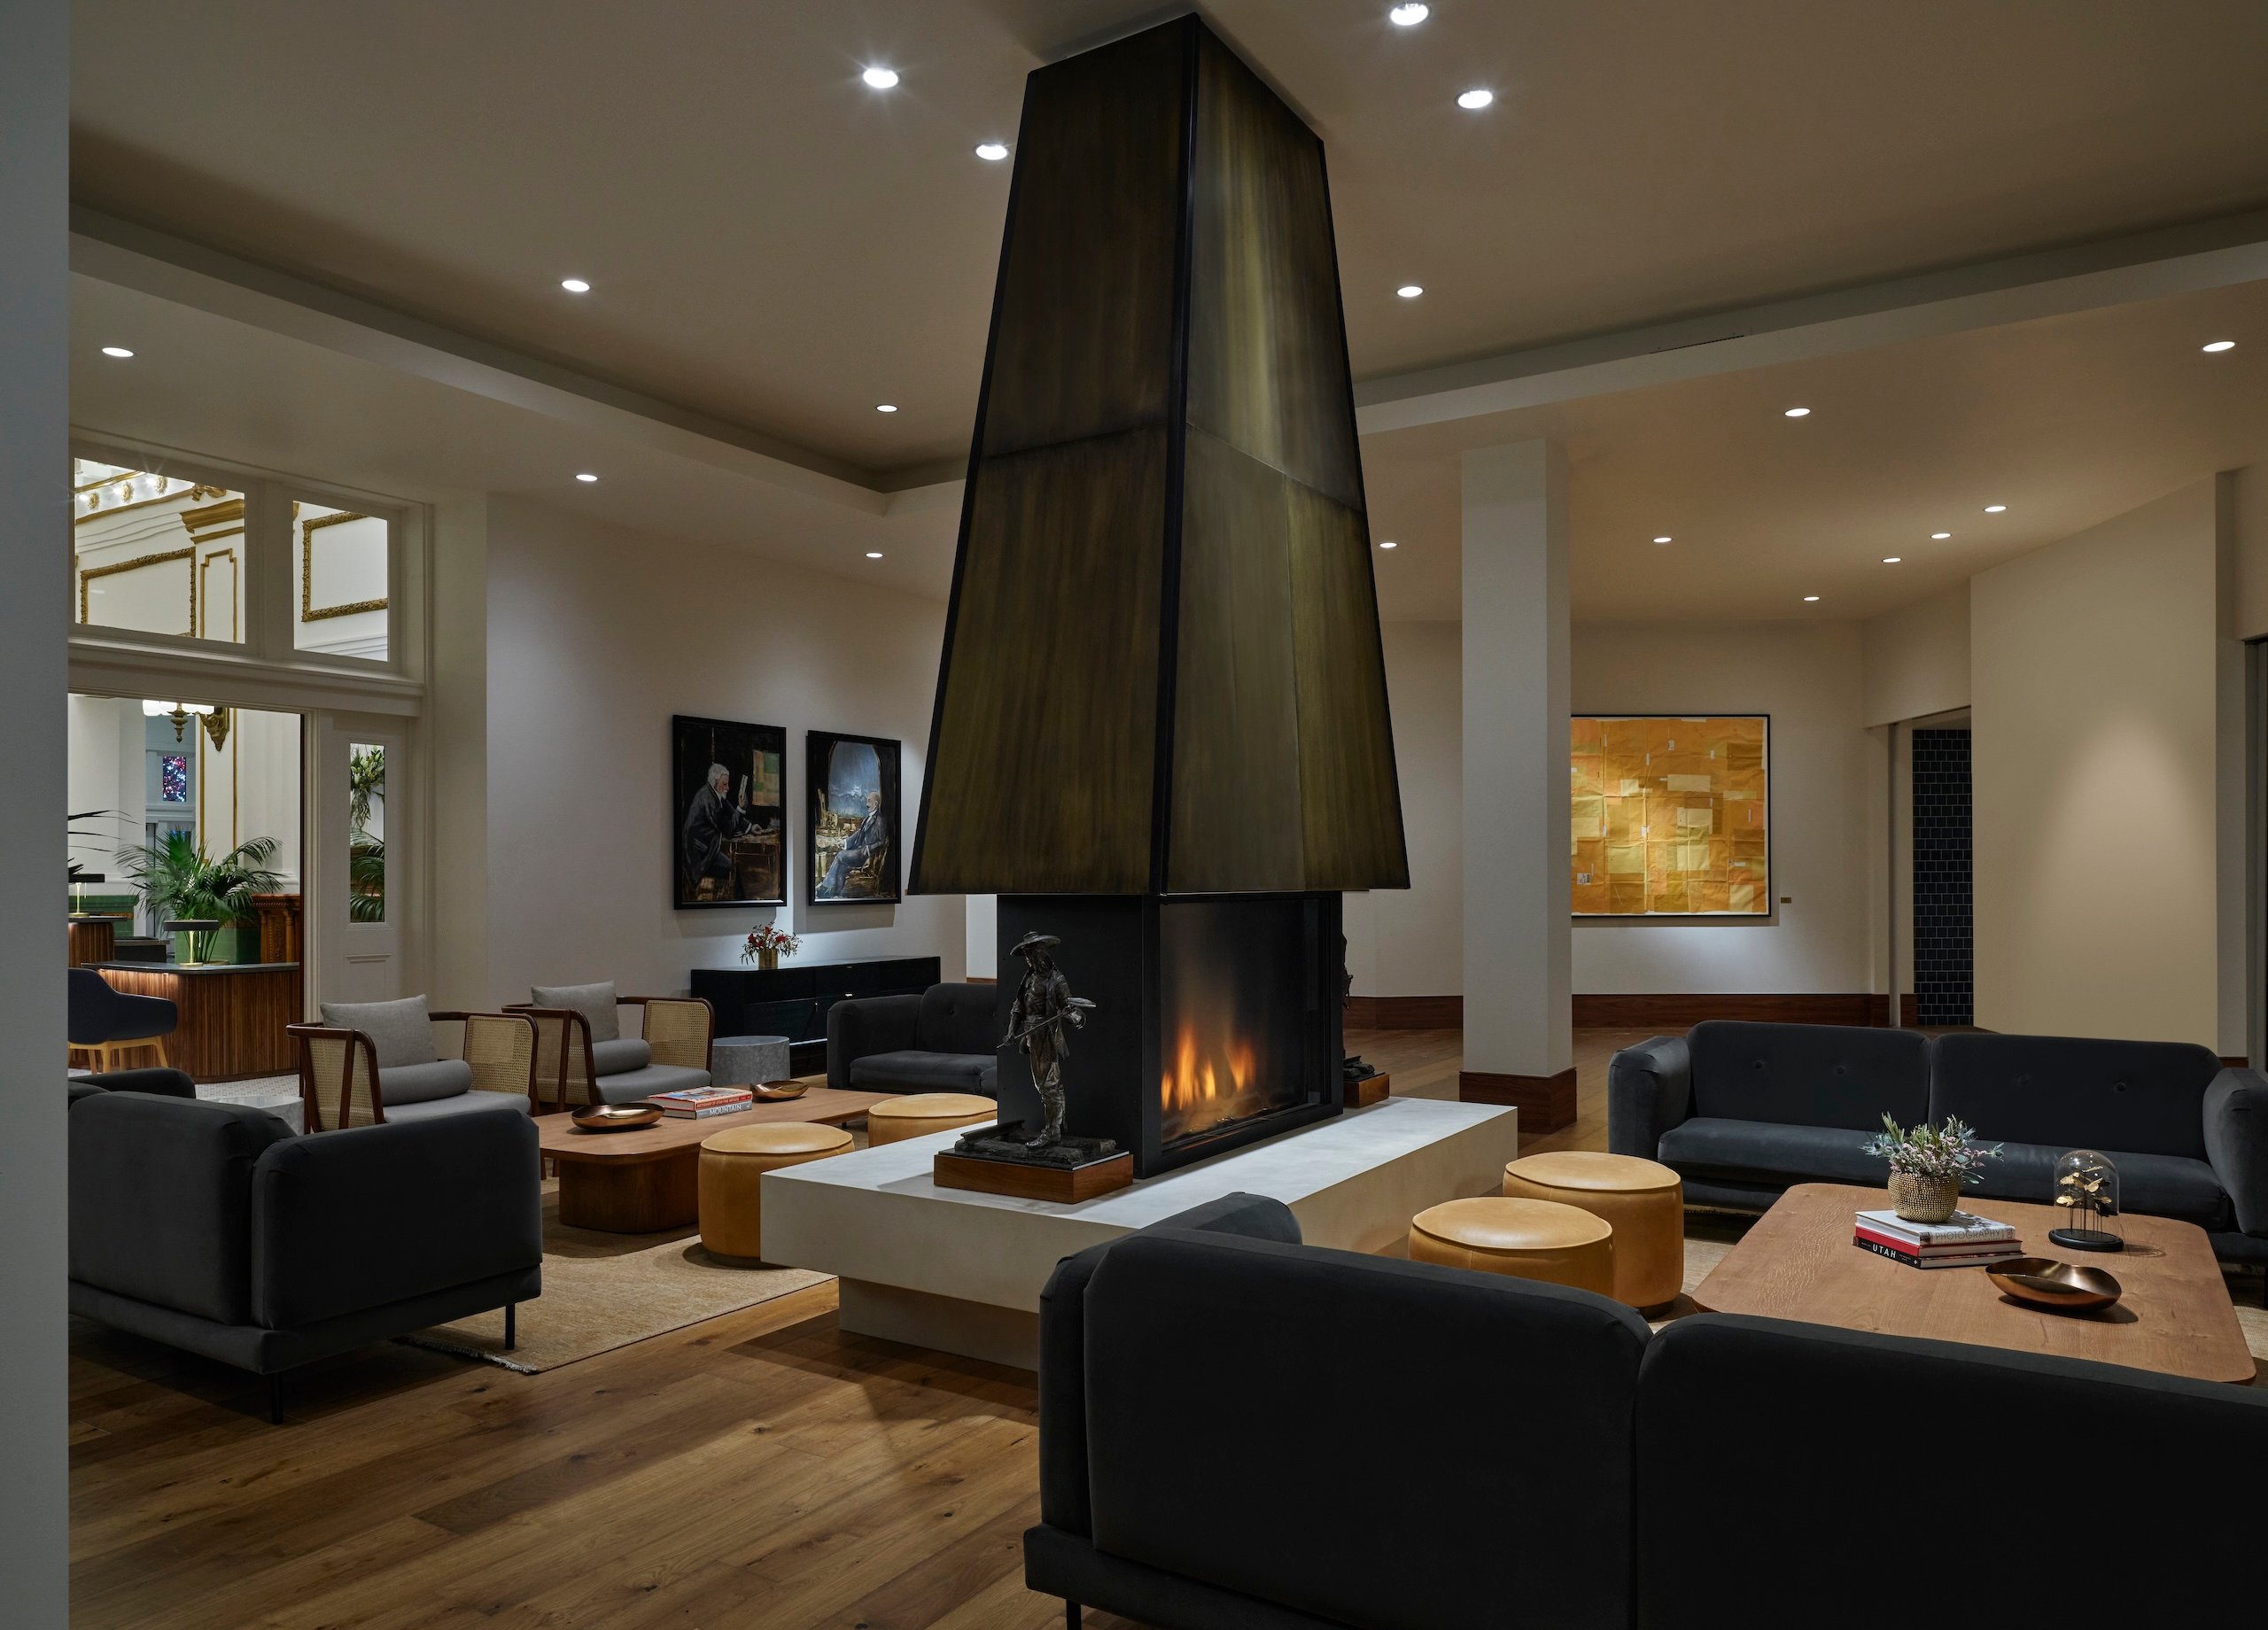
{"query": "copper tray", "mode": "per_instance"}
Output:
(2043, 1282)
(616, 1117)
(778, 1092)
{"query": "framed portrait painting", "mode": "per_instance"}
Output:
(1671, 816)
(851, 824)
(728, 813)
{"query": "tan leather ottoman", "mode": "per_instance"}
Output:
(919, 1113)
(732, 1164)
(1526, 1239)
(1642, 1200)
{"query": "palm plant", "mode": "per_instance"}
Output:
(71, 830)
(365, 879)
(179, 880)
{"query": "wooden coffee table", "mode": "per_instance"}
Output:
(1797, 1262)
(648, 1180)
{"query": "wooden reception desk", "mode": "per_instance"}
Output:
(233, 1015)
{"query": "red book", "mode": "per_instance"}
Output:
(1971, 1259)
(1906, 1247)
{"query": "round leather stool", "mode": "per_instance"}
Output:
(918, 1113)
(1643, 1201)
(1526, 1239)
(732, 1164)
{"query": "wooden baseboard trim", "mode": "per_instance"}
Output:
(1679, 1012)
(980, 979)
(1404, 1012)
(1546, 1103)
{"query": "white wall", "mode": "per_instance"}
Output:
(1826, 790)
(2097, 685)
(1808, 677)
(1917, 659)
(595, 636)
(35, 82)
(1409, 942)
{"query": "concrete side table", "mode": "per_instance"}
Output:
(747, 1061)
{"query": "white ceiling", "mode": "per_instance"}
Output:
(775, 244)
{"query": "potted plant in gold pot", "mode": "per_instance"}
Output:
(1929, 1165)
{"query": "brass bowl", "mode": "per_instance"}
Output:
(778, 1092)
(2043, 1282)
(616, 1117)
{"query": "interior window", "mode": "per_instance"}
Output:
(366, 837)
(339, 563)
(156, 554)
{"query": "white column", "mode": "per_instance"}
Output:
(34, 540)
(1518, 1040)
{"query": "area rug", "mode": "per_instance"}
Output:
(606, 1291)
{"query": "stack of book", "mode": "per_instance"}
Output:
(1962, 1240)
(699, 1103)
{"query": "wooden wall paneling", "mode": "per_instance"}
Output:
(1041, 774)
(1235, 814)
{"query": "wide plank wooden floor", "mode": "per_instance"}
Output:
(762, 1468)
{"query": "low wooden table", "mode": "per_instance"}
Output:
(1797, 1262)
(643, 1182)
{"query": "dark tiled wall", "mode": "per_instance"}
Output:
(1943, 912)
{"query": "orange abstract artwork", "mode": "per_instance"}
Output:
(1671, 816)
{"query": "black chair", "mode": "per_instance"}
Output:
(211, 1227)
(104, 1021)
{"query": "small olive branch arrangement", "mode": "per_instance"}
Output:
(1933, 1153)
(779, 941)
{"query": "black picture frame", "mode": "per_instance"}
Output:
(756, 799)
(1770, 912)
(840, 771)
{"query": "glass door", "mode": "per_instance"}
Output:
(361, 862)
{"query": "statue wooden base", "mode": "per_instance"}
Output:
(1369, 1090)
(1065, 1184)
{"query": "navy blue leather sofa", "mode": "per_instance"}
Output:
(1741, 1112)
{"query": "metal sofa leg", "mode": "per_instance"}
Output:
(276, 1400)
(1070, 1615)
(511, 1325)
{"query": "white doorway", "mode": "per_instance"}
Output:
(362, 857)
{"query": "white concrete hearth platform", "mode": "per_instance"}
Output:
(962, 1272)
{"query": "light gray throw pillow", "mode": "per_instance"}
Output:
(401, 1030)
(595, 1003)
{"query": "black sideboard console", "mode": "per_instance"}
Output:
(792, 1001)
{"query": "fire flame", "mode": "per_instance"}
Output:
(1205, 1085)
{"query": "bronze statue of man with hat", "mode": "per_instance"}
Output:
(1037, 1024)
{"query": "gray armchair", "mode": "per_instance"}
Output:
(583, 1058)
(369, 1063)
(211, 1227)
(945, 1040)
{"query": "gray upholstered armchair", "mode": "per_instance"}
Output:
(369, 1063)
(582, 1056)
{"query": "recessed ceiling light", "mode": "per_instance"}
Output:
(1410, 290)
(1892, 560)
(2222, 344)
(873, 554)
(574, 285)
(1388, 543)
(885, 406)
(1939, 537)
(992, 153)
(586, 475)
(1476, 98)
(1408, 16)
(1661, 540)
(1796, 412)
(1808, 599)
(880, 79)
(1996, 508)
(116, 351)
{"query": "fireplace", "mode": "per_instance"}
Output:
(1162, 731)
(1216, 1021)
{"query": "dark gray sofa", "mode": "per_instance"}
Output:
(1744, 1111)
(1224, 1446)
(944, 1040)
(211, 1228)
